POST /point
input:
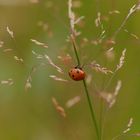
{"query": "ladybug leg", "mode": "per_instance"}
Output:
(77, 67)
(80, 67)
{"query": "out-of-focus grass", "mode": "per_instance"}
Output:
(31, 115)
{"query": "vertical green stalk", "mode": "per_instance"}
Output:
(86, 90)
(75, 50)
(91, 110)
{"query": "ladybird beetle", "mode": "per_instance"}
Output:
(77, 74)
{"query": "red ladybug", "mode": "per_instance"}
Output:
(77, 74)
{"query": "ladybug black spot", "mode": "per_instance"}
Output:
(73, 76)
(77, 71)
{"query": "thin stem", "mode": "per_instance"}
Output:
(91, 110)
(72, 37)
(75, 50)
(101, 116)
(123, 135)
(97, 3)
(86, 90)
(118, 136)
(131, 11)
(103, 122)
(109, 82)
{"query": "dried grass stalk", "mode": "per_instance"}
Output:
(132, 10)
(10, 32)
(39, 56)
(73, 20)
(8, 82)
(59, 108)
(121, 62)
(52, 64)
(110, 98)
(18, 59)
(98, 20)
(7, 50)
(1, 44)
(39, 43)
(128, 126)
(114, 12)
(58, 78)
(71, 102)
(132, 34)
(97, 67)
(28, 83)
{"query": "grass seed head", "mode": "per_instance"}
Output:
(59, 108)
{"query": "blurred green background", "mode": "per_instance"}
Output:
(31, 115)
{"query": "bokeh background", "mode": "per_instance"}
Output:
(30, 115)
